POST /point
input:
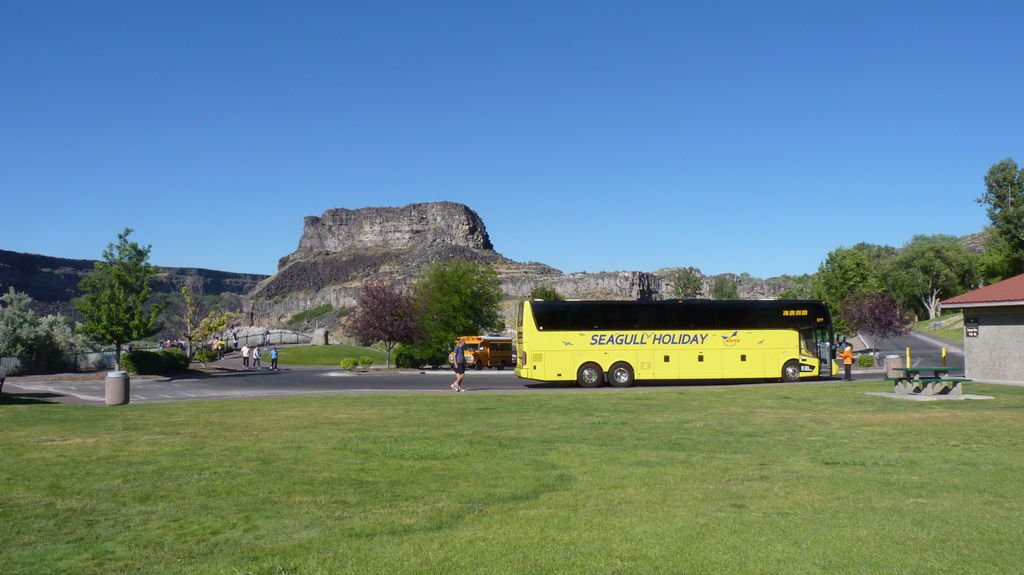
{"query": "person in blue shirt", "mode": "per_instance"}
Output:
(273, 359)
(460, 364)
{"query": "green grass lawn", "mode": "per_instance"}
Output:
(766, 479)
(954, 332)
(326, 354)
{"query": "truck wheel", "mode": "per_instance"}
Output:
(621, 374)
(791, 371)
(590, 375)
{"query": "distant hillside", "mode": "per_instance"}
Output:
(53, 282)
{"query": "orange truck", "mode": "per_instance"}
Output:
(486, 351)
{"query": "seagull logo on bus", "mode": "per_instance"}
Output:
(731, 340)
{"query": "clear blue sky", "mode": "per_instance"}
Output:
(592, 136)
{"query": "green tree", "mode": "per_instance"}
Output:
(1004, 201)
(189, 319)
(724, 288)
(844, 272)
(998, 261)
(929, 269)
(797, 287)
(192, 328)
(213, 323)
(116, 295)
(455, 298)
(546, 293)
(687, 283)
(877, 255)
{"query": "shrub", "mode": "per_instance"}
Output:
(205, 355)
(130, 361)
(416, 356)
(44, 343)
(349, 363)
(145, 362)
(406, 358)
(866, 360)
(174, 360)
(365, 362)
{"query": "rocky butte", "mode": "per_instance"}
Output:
(341, 249)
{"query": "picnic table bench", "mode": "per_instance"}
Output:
(924, 380)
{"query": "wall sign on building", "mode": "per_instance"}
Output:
(971, 326)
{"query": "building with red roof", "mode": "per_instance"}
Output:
(993, 331)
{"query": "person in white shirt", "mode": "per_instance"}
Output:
(245, 356)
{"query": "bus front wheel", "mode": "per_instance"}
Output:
(791, 371)
(589, 375)
(621, 374)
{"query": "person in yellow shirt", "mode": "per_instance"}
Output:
(847, 356)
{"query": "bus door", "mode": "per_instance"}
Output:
(826, 351)
(818, 341)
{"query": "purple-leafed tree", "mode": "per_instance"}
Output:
(386, 315)
(875, 315)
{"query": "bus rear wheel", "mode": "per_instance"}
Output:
(621, 374)
(791, 371)
(589, 375)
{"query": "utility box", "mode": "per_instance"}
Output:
(892, 361)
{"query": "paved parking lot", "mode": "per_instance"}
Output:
(228, 380)
(266, 383)
(314, 381)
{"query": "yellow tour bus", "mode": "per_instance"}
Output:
(486, 351)
(591, 342)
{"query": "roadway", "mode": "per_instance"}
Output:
(924, 350)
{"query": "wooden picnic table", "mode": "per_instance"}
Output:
(926, 380)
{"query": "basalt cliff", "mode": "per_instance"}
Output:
(52, 282)
(341, 249)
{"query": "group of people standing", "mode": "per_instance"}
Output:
(257, 356)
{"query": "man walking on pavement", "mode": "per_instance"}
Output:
(459, 364)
